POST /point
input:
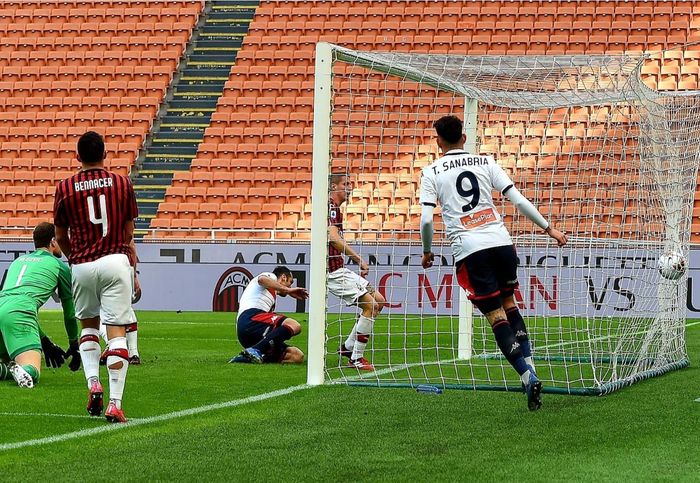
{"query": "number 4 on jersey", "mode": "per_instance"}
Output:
(102, 220)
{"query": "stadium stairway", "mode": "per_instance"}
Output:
(192, 97)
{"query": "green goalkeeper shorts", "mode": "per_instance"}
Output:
(19, 328)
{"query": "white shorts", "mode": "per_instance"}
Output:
(347, 285)
(103, 288)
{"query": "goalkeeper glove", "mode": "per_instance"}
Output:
(74, 354)
(53, 354)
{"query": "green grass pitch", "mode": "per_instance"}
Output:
(647, 432)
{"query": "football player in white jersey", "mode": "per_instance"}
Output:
(485, 258)
(262, 332)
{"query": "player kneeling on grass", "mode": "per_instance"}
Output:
(261, 331)
(486, 262)
(30, 281)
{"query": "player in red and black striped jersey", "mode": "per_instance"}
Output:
(94, 213)
(345, 284)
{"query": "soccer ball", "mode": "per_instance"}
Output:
(672, 265)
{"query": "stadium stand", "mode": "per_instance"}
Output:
(261, 129)
(68, 66)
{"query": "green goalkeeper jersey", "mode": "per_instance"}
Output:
(37, 275)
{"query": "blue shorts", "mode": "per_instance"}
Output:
(254, 324)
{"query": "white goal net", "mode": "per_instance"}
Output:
(609, 161)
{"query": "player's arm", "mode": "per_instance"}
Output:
(428, 200)
(298, 293)
(339, 243)
(65, 293)
(60, 221)
(133, 259)
(63, 240)
(426, 234)
(132, 212)
(502, 182)
(525, 207)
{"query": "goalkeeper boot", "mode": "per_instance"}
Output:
(135, 360)
(344, 352)
(533, 389)
(21, 377)
(95, 398)
(361, 364)
(115, 414)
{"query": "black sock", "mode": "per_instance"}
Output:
(518, 325)
(510, 347)
(4, 372)
(274, 338)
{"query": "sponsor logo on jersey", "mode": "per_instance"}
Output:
(229, 289)
(479, 218)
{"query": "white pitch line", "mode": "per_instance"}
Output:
(174, 322)
(52, 415)
(152, 419)
(145, 337)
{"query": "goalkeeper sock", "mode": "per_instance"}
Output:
(364, 329)
(31, 370)
(274, 338)
(350, 341)
(4, 372)
(90, 353)
(515, 319)
(117, 365)
(510, 347)
(131, 339)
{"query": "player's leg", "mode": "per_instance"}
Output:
(476, 274)
(292, 355)
(4, 356)
(355, 290)
(282, 328)
(507, 276)
(117, 365)
(370, 303)
(21, 335)
(10, 369)
(132, 339)
(515, 319)
(87, 310)
(115, 304)
(26, 368)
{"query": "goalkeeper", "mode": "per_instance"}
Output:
(30, 281)
(486, 262)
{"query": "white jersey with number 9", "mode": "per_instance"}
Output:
(463, 184)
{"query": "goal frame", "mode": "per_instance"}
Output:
(326, 54)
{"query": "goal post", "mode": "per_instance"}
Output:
(606, 159)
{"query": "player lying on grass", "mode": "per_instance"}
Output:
(30, 281)
(345, 284)
(261, 331)
(486, 261)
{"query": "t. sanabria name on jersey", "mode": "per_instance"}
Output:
(462, 162)
(92, 184)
